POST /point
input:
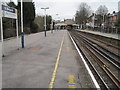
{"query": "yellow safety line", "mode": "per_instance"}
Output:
(68, 49)
(56, 66)
(71, 82)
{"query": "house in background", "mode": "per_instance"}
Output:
(112, 19)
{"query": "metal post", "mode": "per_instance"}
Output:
(1, 21)
(0, 50)
(57, 18)
(94, 21)
(103, 22)
(45, 19)
(22, 32)
(51, 26)
(2, 38)
(45, 22)
(17, 33)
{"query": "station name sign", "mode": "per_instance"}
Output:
(9, 12)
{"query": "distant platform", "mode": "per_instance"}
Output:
(109, 35)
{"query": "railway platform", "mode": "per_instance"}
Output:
(45, 62)
(109, 35)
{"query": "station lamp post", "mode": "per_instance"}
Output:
(93, 21)
(0, 47)
(103, 21)
(45, 19)
(22, 32)
(56, 20)
(52, 25)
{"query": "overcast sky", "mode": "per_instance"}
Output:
(67, 8)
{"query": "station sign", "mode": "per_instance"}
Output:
(9, 12)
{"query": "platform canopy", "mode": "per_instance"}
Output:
(69, 21)
(60, 24)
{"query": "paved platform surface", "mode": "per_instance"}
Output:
(114, 36)
(33, 66)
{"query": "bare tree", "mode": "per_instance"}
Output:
(102, 10)
(83, 13)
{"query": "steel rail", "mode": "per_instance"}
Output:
(103, 65)
(104, 54)
(109, 44)
(116, 54)
(97, 73)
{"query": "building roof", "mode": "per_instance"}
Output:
(60, 24)
(69, 21)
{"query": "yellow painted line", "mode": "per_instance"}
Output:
(75, 54)
(68, 49)
(71, 83)
(56, 65)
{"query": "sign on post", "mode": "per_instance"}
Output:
(9, 12)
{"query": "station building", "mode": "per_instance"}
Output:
(67, 24)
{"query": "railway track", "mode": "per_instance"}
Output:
(111, 56)
(108, 45)
(99, 38)
(94, 56)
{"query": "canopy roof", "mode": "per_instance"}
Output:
(60, 24)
